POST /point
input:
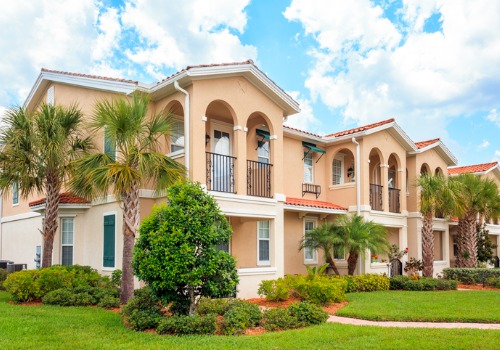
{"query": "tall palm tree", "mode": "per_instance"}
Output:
(359, 236)
(325, 238)
(37, 150)
(436, 196)
(138, 162)
(475, 197)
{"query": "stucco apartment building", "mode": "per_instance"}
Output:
(272, 182)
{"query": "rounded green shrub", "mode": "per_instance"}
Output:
(367, 283)
(61, 297)
(307, 314)
(143, 310)
(239, 317)
(109, 302)
(3, 276)
(275, 290)
(279, 319)
(207, 306)
(183, 325)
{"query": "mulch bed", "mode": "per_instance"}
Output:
(476, 287)
(331, 309)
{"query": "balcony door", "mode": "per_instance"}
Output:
(222, 177)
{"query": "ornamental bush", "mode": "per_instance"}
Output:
(207, 306)
(3, 276)
(320, 290)
(182, 325)
(275, 290)
(176, 253)
(279, 319)
(366, 283)
(470, 275)
(421, 284)
(307, 314)
(493, 282)
(143, 311)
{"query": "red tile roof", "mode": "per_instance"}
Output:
(423, 144)
(90, 76)
(302, 131)
(476, 168)
(64, 198)
(312, 203)
(360, 128)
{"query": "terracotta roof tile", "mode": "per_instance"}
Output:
(360, 128)
(422, 144)
(302, 131)
(90, 76)
(476, 168)
(312, 203)
(64, 198)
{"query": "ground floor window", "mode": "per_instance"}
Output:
(310, 254)
(108, 259)
(264, 243)
(67, 233)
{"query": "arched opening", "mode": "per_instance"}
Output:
(219, 147)
(259, 156)
(393, 184)
(376, 198)
(425, 169)
(439, 172)
(175, 144)
(343, 167)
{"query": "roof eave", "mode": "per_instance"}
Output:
(41, 207)
(300, 208)
(443, 151)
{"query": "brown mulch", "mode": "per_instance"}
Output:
(28, 303)
(476, 287)
(331, 309)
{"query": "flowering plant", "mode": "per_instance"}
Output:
(396, 253)
(413, 266)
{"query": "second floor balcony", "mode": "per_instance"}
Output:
(376, 197)
(394, 201)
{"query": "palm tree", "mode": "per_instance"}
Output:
(474, 197)
(323, 237)
(137, 162)
(37, 150)
(359, 236)
(436, 196)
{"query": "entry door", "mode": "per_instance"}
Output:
(223, 164)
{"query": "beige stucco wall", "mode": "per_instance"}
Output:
(19, 240)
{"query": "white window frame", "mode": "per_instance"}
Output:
(72, 244)
(339, 158)
(259, 239)
(309, 167)
(314, 259)
(265, 154)
(177, 124)
(15, 194)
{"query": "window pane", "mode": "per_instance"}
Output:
(309, 253)
(177, 136)
(67, 231)
(263, 229)
(67, 255)
(263, 250)
(308, 168)
(337, 171)
(15, 193)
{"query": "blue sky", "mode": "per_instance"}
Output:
(433, 65)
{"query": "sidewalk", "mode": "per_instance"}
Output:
(357, 322)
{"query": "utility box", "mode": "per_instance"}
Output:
(16, 267)
(4, 263)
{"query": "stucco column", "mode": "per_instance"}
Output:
(403, 242)
(240, 166)
(384, 174)
(279, 240)
(402, 189)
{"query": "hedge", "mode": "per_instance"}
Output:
(470, 275)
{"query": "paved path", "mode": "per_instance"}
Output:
(357, 322)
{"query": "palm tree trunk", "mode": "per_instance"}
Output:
(428, 246)
(470, 243)
(330, 261)
(52, 189)
(130, 224)
(462, 227)
(352, 260)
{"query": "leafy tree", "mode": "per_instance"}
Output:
(359, 236)
(323, 237)
(37, 150)
(436, 196)
(485, 247)
(176, 253)
(138, 162)
(475, 197)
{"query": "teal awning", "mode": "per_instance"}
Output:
(313, 147)
(264, 134)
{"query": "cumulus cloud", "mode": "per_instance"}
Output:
(368, 68)
(483, 145)
(305, 120)
(494, 117)
(497, 156)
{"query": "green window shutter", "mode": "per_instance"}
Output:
(109, 146)
(109, 241)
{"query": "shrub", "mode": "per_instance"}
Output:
(179, 325)
(307, 314)
(62, 297)
(366, 283)
(398, 282)
(279, 319)
(142, 311)
(241, 314)
(493, 282)
(3, 276)
(422, 284)
(446, 284)
(470, 275)
(275, 290)
(109, 302)
(207, 306)
(22, 286)
(116, 278)
(320, 290)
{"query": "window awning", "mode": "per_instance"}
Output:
(264, 134)
(312, 147)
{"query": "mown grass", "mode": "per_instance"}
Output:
(448, 306)
(53, 327)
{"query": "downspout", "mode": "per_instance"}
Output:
(357, 174)
(186, 125)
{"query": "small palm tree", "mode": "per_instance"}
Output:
(325, 238)
(37, 150)
(435, 196)
(137, 162)
(358, 236)
(475, 197)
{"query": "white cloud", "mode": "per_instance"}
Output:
(367, 68)
(494, 117)
(497, 156)
(483, 145)
(304, 120)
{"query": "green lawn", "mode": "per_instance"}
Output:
(52, 327)
(449, 306)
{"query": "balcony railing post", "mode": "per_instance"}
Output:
(376, 197)
(394, 202)
(220, 172)
(259, 179)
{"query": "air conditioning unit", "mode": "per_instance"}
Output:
(4, 263)
(16, 267)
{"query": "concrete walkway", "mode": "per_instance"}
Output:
(357, 322)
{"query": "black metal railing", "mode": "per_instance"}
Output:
(394, 203)
(259, 179)
(310, 188)
(220, 172)
(376, 197)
